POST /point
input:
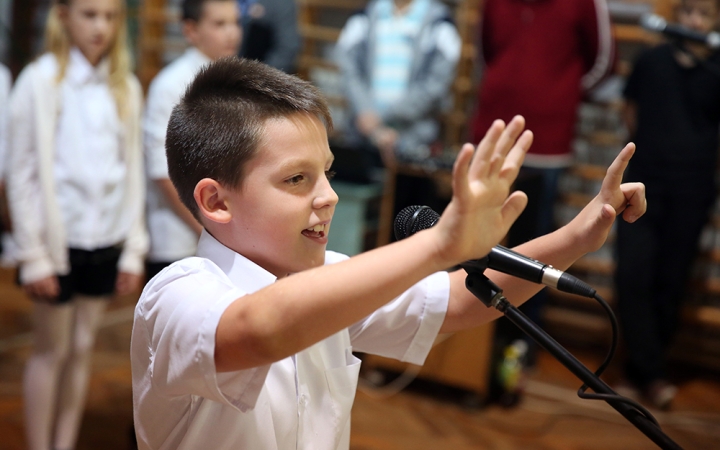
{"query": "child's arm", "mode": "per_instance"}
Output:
(36, 271)
(131, 264)
(300, 310)
(585, 233)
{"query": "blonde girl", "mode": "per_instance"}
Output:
(75, 189)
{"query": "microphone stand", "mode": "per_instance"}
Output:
(491, 295)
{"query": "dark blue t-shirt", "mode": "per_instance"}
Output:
(678, 114)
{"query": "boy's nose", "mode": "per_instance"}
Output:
(102, 25)
(326, 196)
(695, 21)
(698, 21)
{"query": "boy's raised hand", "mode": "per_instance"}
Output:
(592, 225)
(482, 208)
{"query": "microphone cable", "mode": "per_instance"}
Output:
(416, 218)
(582, 392)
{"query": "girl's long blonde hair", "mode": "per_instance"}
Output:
(57, 41)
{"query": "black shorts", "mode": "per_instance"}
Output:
(92, 272)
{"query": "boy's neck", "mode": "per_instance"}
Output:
(691, 53)
(401, 6)
(94, 60)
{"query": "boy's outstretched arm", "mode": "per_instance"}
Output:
(300, 310)
(585, 233)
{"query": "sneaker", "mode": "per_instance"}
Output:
(660, 393)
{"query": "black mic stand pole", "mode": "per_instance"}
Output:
(491, 295)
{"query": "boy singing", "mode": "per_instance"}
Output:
(249, 344)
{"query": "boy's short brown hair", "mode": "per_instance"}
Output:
(217, 126)
(682, 3)
(193, 9)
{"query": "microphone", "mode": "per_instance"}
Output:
(653, 22)
(417, 218)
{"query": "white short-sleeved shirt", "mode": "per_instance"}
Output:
(301, 402)
(89, 167)
(5, 85)
(170, 238)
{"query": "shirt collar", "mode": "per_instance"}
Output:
(243, 273)
(80, 71)
(199, 57)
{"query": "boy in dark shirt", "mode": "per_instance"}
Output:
(672, 113)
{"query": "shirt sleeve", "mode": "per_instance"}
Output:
(350, 55)
(158, 109)
(406, 328)
(23, 179)
(5, 83)
(596, 41)
(181, 313)
(137, 241)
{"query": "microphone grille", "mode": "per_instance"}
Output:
(412, 219)
(713, 39)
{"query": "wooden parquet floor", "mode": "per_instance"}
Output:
(422, 416)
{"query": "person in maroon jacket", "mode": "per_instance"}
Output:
(539, 58)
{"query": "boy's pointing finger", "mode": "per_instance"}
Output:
(614, 174)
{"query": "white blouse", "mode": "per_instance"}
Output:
(89, 168)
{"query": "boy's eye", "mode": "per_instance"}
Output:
(330, 174)
(295, 179)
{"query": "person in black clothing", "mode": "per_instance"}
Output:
(271, 32)
(673, 114)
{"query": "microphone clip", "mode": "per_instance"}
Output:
(481, 286)
(476, 265)
(486, 291)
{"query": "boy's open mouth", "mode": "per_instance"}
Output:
(316, 232)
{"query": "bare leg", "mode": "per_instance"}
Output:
(74, 379)
(52, 331)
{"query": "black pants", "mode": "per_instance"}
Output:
(654, 258)
(541, 186)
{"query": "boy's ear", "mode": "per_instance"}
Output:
(211, 196)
